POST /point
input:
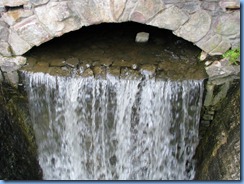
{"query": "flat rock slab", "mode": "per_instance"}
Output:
(142, 37)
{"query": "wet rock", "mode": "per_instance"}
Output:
(87, 73)
(218, 153)
(57, 71)
(127, 73)
(122, 63)
(1, 76)
(106, 62)
(142, 37)
(18, 153)
(148, 70)
(57, 62)
(113, 72)
(12, 78)
(72, 62)
(99, 72)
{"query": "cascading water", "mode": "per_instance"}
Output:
(89, 128)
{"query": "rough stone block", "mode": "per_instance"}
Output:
(5, 49)
(4, 32)
(165, 19)
(38, 2)
(117, 8)
(32, 31)
(228, 24)
(146, 9)
(9, 64)
(58, 18)
(196, 28)
(12, 78)
(11, 17)
(229, 4)
(14, 3)
(209, 42)
(221, 48)
(142, 37)
(18, 45)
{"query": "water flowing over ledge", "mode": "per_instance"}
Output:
(89, 128)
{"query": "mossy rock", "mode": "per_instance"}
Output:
(18, 155)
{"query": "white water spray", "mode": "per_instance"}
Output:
(89, 128)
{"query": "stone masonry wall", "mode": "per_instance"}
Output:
(212, 25)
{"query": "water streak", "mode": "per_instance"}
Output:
(89, 128)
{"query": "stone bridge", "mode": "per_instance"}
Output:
(212, 25)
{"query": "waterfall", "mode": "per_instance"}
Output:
(120, 129)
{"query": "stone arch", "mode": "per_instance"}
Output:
(29, 23)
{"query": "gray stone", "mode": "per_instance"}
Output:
(229, 4)
(27, 27)
(12, 78)
(10, 64)
(142, 37)
(117, 8)
(165, 19)
(1, 76)
(4, 32)
(145, 10)
(212, 6)
(196, 28)
(209, 42)
(209, 94)
(14, 3)
(219, 69)
(18, 45)
(58, 18)
(191, 6)
(228, 24)
(5, 49)
(221, 48)
(38, 2)
(13, 16)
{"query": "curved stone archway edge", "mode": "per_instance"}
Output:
(212, 25)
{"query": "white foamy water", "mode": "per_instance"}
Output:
(88, 128)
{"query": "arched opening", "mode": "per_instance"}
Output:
(112, 46)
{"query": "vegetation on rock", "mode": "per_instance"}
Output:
(233, 56)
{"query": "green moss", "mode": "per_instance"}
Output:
(232, 56)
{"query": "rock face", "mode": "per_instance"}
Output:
(218, 153)
(18, 151)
